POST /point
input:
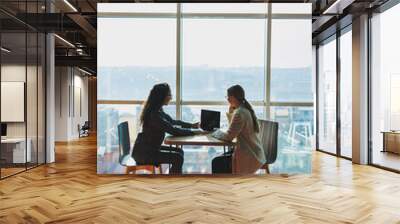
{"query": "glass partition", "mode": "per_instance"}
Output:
(327, 96)
(15, 149)
(385, 89)
(23, 91)
(32, 97)
(346, 94)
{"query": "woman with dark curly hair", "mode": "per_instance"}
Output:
(148, 148)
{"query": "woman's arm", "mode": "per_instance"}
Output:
(176, 122)
(235, 127)
(168, 127)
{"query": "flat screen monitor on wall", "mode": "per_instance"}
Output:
(12, 101)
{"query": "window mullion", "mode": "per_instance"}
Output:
(268, 63)
(178, 63)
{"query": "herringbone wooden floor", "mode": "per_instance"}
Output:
(70, 191)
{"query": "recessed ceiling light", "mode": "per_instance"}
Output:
(84, 71)
(70, 5)
(64, 40)
(5, 50)
(333, 6)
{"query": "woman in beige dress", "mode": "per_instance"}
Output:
(248, 155)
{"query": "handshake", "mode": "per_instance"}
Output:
(200, 132)
(197, 129)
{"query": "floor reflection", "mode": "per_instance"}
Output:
(386, 159)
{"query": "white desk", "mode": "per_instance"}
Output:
(18, 149)
(201, 139)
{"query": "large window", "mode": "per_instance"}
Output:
(291, 88)
(218, 53)
(327, 96)
(201, 50)
(296, 67)
(335, 94)
(141, 53)
(385, 89)
(295, 138)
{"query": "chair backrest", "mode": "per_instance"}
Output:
(86, 124)
(124, 140)
(269, 139)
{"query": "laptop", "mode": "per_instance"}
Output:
(3, 131)
(210, 120)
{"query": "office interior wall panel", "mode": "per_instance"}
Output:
(62, 99)
(41, 99)
(31, 111)
(13, 101)
(71, 102)
(14, 69)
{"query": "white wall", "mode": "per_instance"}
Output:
(70, 83)
(12, 73)
(33, 126)
(61, 103)
(17, 73)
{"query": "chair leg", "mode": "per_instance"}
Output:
(160, 168)
(130, 169)
(267, 169)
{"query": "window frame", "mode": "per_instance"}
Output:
(334, 37)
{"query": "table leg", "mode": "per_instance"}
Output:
(169, 164)
(384, 143)
(183, 158)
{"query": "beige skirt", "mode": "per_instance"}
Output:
(243, 162)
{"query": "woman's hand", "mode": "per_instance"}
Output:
(200, 132)
(196, 125)
(231, 109)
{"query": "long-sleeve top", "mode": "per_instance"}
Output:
(249, 154)
(154, 130)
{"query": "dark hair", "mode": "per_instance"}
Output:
(238, 92)
(155, 100)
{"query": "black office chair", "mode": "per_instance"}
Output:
(125, 158)
(84, 129)
(269, 139)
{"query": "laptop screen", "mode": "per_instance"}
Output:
(3, 129)
(210, 120)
